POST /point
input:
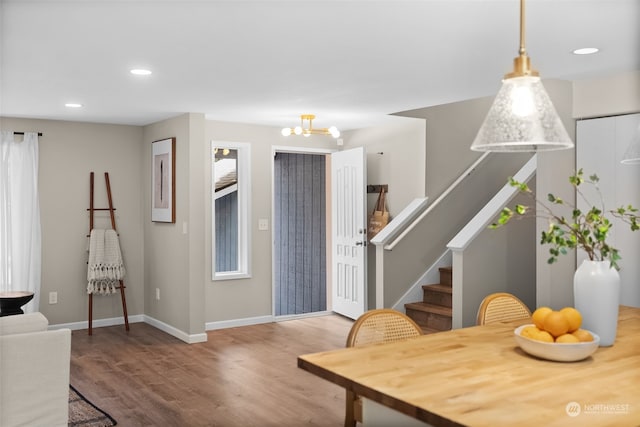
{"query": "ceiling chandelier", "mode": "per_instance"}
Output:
(522, 117)
(309, 129)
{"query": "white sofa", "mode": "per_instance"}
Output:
(34, 372)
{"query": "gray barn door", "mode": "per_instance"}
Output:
(299, 233)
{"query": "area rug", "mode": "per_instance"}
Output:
(83, 413)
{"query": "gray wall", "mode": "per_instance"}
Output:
(450, 130)
(595, 97)
(501, 260)
(69, 151)
(174, 253)
(395, 156)
(249, 298)
(601, 145)
(160, 255)
(607, 96)
(555, 281)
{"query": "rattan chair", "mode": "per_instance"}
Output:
(501, 307)
(374, 327)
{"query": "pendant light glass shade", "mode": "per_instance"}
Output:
(522, 118)
(632, 154)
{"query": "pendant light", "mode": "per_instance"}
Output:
(522, 117)
(632, 153)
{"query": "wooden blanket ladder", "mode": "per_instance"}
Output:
(111, 210)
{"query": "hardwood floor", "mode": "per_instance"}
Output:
(245, 376)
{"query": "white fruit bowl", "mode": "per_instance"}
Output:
(559, 352)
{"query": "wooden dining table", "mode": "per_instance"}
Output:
(479, 376)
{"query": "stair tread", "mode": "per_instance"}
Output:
(430, 308)
(438, 287)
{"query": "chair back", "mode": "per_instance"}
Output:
(381, 326)
(501, 307)
(376, 326)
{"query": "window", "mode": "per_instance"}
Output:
(230, 209)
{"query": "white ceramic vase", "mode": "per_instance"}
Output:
(596, 292)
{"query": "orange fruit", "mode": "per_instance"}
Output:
(583, 335)
(539, 315)
(573, 316)
(543, 336)
(530, 332)
(567, 339)
(556, 323)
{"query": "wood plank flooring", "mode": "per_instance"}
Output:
(245, 376)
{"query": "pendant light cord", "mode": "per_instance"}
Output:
(523, 50)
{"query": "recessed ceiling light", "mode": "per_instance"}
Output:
(140, 72)
(586, 51)
(72, 105)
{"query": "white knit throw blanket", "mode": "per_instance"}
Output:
(106, 268)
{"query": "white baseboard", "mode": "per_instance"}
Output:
(223, 324)
(181, 335)
(284, 318)
(248, 321)
(188, 338)
(138, 318)
(98, 323)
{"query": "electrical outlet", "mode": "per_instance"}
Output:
(158, 294)
(53, 297)
(263, 224)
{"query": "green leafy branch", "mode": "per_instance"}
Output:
(586, 230)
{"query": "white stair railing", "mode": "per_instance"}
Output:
(478, 223)
(380, 240)
(484, 217)
(436, 202)
(405, 222)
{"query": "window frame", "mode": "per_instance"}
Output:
(244, 211)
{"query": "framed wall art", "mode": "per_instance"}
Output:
(163, 180)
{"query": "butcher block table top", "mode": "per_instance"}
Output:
(478, 376)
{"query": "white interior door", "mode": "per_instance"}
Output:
(348, 230)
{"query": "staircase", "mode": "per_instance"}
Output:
(433, 313)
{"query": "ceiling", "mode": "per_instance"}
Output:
(351, 63)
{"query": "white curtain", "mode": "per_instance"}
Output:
(20, 240)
